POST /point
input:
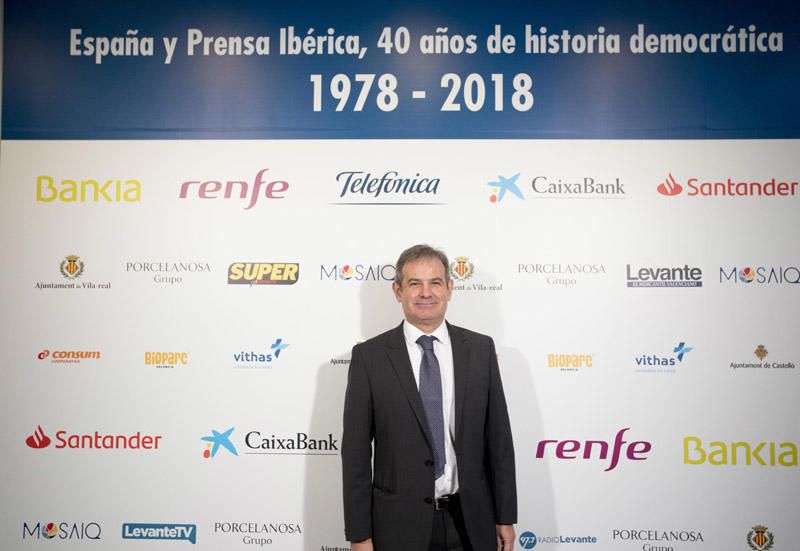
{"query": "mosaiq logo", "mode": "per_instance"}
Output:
(358, 187)
(662, 363)
(160, 531)
(663, 276)
(739, 453)
(242, 190)
(260, 360)
(167, 272)
(594, 450)
(754, 276)
(727, 187)
(62, 531)
(50, 189)
(357, 272)
(529, 540)
(96, 440)
(263, 273)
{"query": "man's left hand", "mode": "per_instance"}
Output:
(505, 537)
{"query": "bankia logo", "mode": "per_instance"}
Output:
(68, 356)
(529, 540)
(358, 187)
(754, 276)
(242, 190)
(62, 530)
(96, 440)
(356, 272)
(739, 453)
(593, 450)
(71, 268)
(168, 272)
(260, 360)
(662, 363)
(502, 185)
(166, 360)
(159, 531)
(263, 273)
(728, 187)
(665, 276)
(50, 189)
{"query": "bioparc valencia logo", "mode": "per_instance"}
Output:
(727, 187)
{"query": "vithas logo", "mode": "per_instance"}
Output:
(38, 439)
(669, 186)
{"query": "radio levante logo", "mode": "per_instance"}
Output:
(236, 189)
(263, 273)
(597, 449)
(728, 187)
(356, 187)
(760, 275)
(665, 276)
(529, 540)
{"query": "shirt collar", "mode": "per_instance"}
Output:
(412, 333)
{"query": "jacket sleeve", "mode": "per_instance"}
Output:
(500, 448)
(357, 435)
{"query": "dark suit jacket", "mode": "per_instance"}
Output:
(392, 505)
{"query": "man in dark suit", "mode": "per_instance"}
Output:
(428, 396)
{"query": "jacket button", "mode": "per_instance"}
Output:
(428, 463)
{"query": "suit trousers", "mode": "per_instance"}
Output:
(449, 532)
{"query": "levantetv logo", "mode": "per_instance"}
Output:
(529, 540)
(136, 531)
(359, 187)
(665, 276)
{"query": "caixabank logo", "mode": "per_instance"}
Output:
(263, 273)
(506, 189)
(70, 531)
(96, 440)
(241, 190)
(727, 186)
(263, 442)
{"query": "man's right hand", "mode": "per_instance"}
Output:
(365, 545)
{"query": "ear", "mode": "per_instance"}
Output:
(449, 288)
(396, 289)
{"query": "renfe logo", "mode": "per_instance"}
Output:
(568, 449)
(209, 189)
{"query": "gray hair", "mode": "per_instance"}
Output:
(417, 252)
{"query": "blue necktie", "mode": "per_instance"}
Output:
(430, 390)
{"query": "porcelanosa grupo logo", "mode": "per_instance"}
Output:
(160, 531)
(356, 187)
(662, 363)
(760, 275)
(529, 540)
(563, 275)
(167, 272)
(62, 530)
(260, 360)
(258, 533)
(597, 450)
(95, 441)
(649, 538)
(236, 189)
(728, 187)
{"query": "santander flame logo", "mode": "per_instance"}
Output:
(669, 186)
(38, 439)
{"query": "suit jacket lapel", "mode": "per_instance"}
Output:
(398, 354)
(461, 359)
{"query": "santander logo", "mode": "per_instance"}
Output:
(669, 186)
(38, 439)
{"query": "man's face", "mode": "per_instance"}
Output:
(424, 293)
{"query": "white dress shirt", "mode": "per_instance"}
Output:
(448, 482)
